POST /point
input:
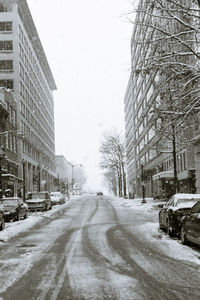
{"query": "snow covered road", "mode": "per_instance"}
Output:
(96, 248)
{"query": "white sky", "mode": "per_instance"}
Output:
(87, 44)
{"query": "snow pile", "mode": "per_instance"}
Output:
(171, 247)
(150, 206)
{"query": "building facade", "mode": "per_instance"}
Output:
(9, 179)
(154, 160)
(24, 70)
(63, 174)
(129, 139)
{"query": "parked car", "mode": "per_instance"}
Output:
(170, 216)
(38, 201)
(2, 221)
(57, 198)
(190, 230)
(14, 208)
(99, 194)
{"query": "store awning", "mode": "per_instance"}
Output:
(164, 175)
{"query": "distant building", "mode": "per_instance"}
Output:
(63, 173)
(24, 70)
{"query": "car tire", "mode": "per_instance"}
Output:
(160, 225)
(17, 218)
(170, 230)
(183, 236)
(2, 224)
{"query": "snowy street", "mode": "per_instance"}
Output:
(96, 247)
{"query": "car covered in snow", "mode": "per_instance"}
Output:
(190, 230)
(172, 213)
(2, 221)
(57, 198)
(38, 201)
(13, 208)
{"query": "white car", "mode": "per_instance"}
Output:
(57, 198)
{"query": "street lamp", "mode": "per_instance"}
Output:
(24, 179)
(143, 184)
(2, 155)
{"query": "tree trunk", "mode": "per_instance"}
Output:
(176, 183)
(124, 180)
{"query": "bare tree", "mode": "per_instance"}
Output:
(113, 159)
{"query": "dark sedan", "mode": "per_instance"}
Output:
(190, 230)
(14, 209)
(170, 216)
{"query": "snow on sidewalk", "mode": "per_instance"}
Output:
(171, 247)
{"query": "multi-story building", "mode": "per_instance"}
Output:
(129, 138)
(24, 69)
(9, 165)
(154, 161)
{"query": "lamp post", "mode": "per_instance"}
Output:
(2, 155)
(143, 184)
(24, 179)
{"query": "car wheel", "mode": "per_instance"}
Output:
(2, 224)
(170, 230)
(183, 236)
(160, 225)
(17, 218)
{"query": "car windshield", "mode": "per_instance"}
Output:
(8, 202)
(36, 196)
(56, 194)
(181, 202)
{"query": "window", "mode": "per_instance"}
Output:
(5, 7)
(5, 26)
(6, 45)
(151, 133)
(7, 84)
(6, 65)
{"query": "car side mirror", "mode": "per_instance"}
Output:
(160, 205)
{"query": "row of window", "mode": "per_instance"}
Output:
(6, 26)
(28, 149)
(9, 140)
(6, 65)
(7, 83)
(39, 110)
(37, 127)
(6, 46)
(38, 93)
(5, 7)
(12, 115)
(33, 61)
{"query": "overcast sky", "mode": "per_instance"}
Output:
(87, 44)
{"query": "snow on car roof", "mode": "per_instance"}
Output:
(186, 196)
